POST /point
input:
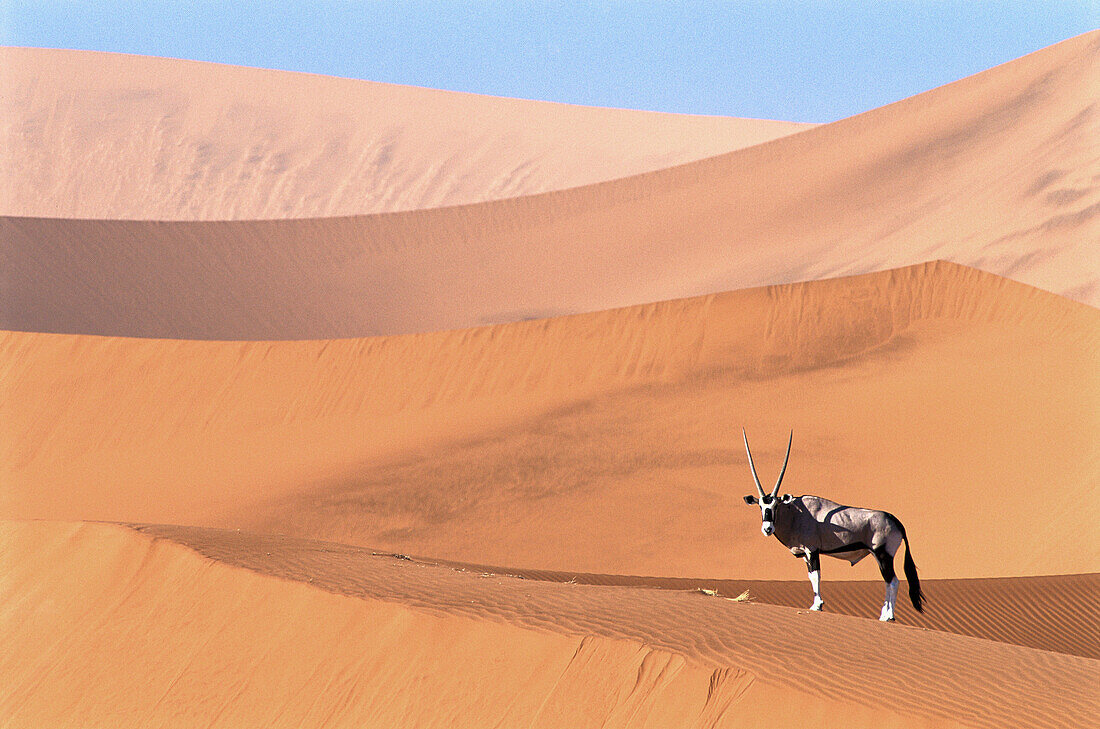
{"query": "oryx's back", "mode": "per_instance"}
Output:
(834, 529)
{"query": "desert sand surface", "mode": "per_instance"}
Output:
(1051, 612)
(446, 432)
(118, 136)
(999, 171)
(349, 636)
(607, 442)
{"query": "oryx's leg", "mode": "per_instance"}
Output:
(886, 566)
(813, 566)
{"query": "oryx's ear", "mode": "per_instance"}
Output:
(750, 500)
(787, 498)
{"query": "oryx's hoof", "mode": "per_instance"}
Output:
(817, 606)
(886, 620)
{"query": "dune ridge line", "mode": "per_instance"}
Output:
(143, 579)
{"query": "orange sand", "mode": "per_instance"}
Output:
(605, 442)
(949, 375)
(330, 636)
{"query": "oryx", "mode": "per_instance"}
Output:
(811, 526)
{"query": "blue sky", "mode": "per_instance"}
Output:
(800, 61)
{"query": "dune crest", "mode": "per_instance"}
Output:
(186, 140)
(544, 444)
(998, 171)
(388, 642)
(1046, 612)
(358, 660)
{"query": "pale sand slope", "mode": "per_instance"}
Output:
(606, 442)
(104, 624)
(1000, 171)
(107, 135)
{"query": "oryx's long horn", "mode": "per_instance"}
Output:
(754, 476)
(785, 459)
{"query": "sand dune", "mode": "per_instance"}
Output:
(606, 442)
(1050, 612)
(1000, 171)
(383, 641)
(110, 135)
(171, 359)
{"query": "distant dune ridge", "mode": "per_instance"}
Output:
(291, 330)
(1000, 171)
(117, 136)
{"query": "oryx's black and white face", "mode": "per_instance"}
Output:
(768, 505)
(770, 501)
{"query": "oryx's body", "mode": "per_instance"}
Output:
(811, 526)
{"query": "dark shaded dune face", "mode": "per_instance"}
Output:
(106, 135)
(605, 442)
(997, 171)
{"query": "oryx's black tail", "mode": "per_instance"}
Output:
(911, 576)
